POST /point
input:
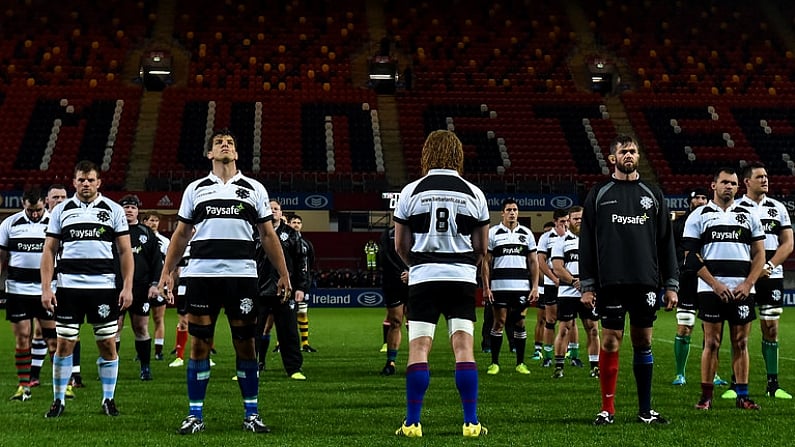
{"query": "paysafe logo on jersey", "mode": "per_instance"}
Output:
(224, 210)
(769, 227)
(726, 235)
(629, 220)
(87, 233)
(36, 247)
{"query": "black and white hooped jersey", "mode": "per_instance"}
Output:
(87, 232)
(724, 239)
(567, 248)
(509, 250)
(23, 239)
(183, 264)
(775, 218)
(223, 215)
(545, 244)
(163, 242)
(442, 209)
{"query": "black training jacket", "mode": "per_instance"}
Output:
(626, 237)
(294, 255)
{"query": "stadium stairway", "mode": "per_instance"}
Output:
(144, 144)
(586, 44)
(618, 114)
(141, 156)
(394, 164)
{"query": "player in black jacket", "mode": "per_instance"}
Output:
(396, 293)
(297, 223)
(626, 249)
(148, 265)
(280, 307)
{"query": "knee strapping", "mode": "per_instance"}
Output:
(303, 307)
(550, 326)
(419, 329)
(201, 331)
(243, 332)
(459, 324)
(685, 317)
(104, 331)
(67, 331)
(768, 312)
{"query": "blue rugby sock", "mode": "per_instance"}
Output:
(418, 377)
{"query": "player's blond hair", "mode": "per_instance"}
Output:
(442, 150)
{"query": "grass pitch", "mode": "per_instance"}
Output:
(346, 402)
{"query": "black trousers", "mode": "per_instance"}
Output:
(284, 321)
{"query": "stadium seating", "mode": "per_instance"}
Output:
(477, 46)
(54, 128)
(279, 74)
(528, 137)
(62, 99)
(286, 45)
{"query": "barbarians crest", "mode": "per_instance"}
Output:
(246, 306)
(651, 299)
(103, 310)
(242, 193)
(741, 218)
(103, 216)
(743, 311)
(646, 202)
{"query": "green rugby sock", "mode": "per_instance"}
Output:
(681, 353)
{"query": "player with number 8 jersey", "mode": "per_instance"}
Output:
(441, 233)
